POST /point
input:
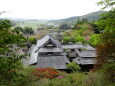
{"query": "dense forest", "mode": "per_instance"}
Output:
(99, 34)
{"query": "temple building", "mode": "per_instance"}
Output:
(48, 53)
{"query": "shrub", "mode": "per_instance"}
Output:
(32, 40)
(80, 39)
(108, 74)
(9, 68)
(94, 39)
(12, 73)
(66, 39)
(28, 78)
(73, 79)
(73, 67)
(48, 73)
(92, 79)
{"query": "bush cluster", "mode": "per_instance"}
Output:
(73, 67)
(45, 73)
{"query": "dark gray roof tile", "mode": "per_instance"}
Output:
(50, 50)
(74, 46)
(85, 61)
(57, 62)
(87, 53)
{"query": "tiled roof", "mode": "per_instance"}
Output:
(49, 61)
(87, 53)
(50, 50)
(85, 61)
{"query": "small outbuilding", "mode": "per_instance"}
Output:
(86, 59)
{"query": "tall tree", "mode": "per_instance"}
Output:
(64, 26)
(9, 61)
(106, 49)
(8, 37)
(106, 3)
(107, 24)
(28, 30)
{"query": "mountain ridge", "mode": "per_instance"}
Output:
(93, 16)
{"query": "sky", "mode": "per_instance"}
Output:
(47, 9)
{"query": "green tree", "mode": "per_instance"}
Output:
(20, 29)
(28, 30)
(106, 49)
(80, 24)
(107, 24)
(5, 25)
(79, 21)
(9, 62)
(106, 3)
(8, 37)
(107, 20)
(107, 37)
(94, 40)
(84, 21)
(64, 26)
(66, 39)
(80, 39)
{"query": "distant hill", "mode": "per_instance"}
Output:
(36, 22)
(72, 20)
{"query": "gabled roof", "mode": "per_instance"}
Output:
(49, 61)
(44, 41)
(77, 46)
(33, 56)
(47, 38)
(88, 47)
(87, 53)
(66, 59)
(85, 57)
(85, 61)
(50, 50)
(74, 46)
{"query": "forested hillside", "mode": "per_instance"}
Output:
(72, 20)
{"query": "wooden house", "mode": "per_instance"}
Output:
(48, 53)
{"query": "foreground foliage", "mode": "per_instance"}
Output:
(74, 79)
(10, 64)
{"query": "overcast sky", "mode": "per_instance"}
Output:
(47, 9)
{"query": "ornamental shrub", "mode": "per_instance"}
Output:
(73, 67)
(45, 73)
